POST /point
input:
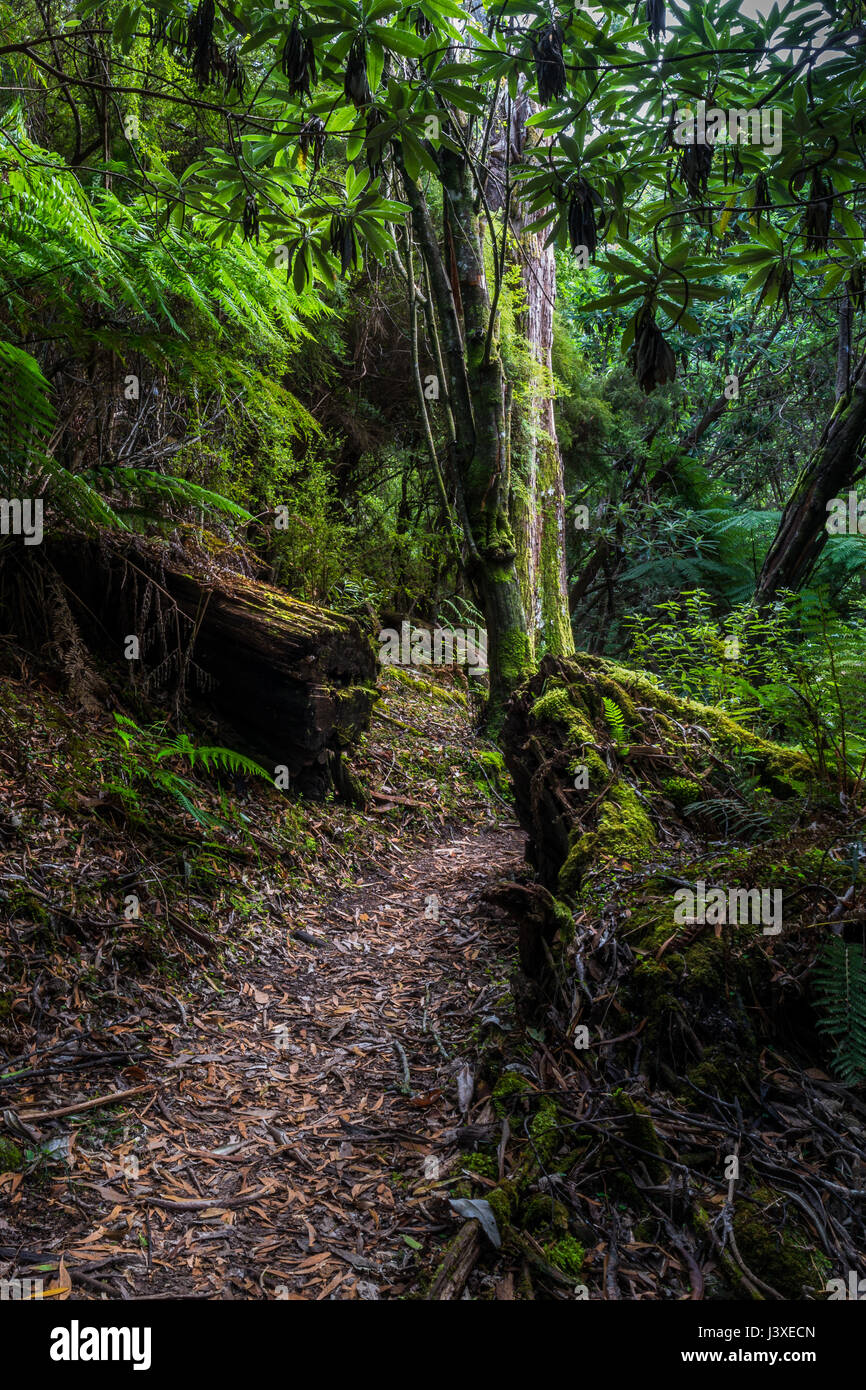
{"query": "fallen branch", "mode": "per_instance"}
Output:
(82, 1105)
(177, 924)
(399, 800)
(205, 1203)
(457, 1263)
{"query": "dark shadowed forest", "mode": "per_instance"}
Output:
(432, 621)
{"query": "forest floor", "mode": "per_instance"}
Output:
(300, 1119)
(290, 1069)
(296, 1092)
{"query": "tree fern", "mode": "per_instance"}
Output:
(26, 416)
(840, 989)
(85, 277)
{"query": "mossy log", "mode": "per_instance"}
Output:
(292, 683)
(607, 766)
(673, 796)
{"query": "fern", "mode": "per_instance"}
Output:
(225, 759)
(615, 720)
(177, 490)
(733, 818)
(145, 751)
(840, 989)
(26, 416)
(84, 276)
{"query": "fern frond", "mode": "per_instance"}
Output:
(840, 989)
(226, 759)
(177, 490)
(26, 416)
(615, 719)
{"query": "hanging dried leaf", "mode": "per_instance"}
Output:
(695, 163)
(251, 219)
(235, 73)
(763, 201)
(373, 152)
(781, 281)
(298, 60)
(819, 212)
(549, 63)
(343, 243)
(313, 137)
(356, 88)
(656, 17)
(423, 27)
(651, 359)
(584, 206)
(201, 51)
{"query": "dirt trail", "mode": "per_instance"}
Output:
(300, 1121)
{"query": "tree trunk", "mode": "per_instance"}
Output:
(537, 501)
(802, 531)
(293, 684)
(843, 345)
(476, 391)
(541, 531)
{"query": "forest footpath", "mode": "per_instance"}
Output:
(296, 1123)
(294, 1099)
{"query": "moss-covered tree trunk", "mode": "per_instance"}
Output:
(538, 509)
(537, 494)
(476, 397)
(802, 531)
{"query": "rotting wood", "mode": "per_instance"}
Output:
(457, 1263)
(292, 683)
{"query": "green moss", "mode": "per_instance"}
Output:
(514, 651)
(556, 706)
(623, 831)
(775, 1245)
(566, 1254)
(545, 1213)
(724, 1072)
(682, 791)
(787, 768)
(544, 1131)
(641, 1132)
(11, 1157)
(503, 1202)
(444, 696)
(509, 1086)
(494, 772)
(484, 1164)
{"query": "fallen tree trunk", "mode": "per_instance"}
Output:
(292, 683)
(683, 823)
(608, 766)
